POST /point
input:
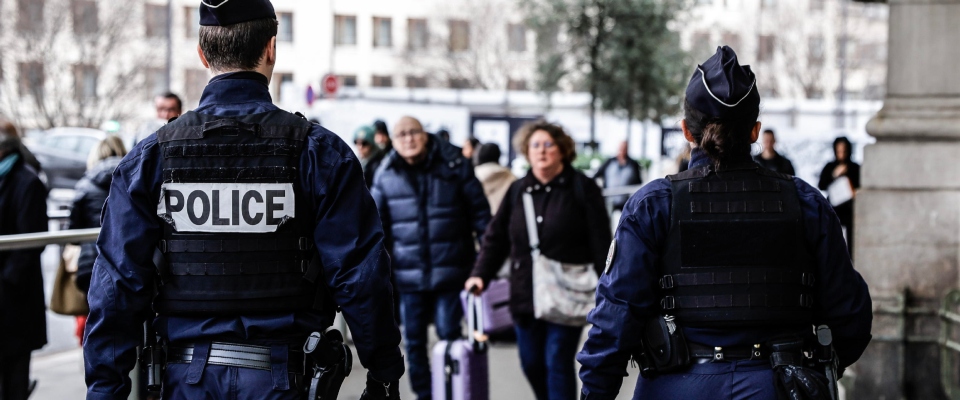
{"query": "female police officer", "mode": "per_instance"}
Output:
(743, 260)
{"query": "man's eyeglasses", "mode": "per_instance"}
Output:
(400, 135)
(546, 145)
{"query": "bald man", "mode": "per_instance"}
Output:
(433, 210)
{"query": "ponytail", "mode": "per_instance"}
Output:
(724, 141)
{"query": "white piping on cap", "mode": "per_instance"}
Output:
(222, 3)
(703, 77)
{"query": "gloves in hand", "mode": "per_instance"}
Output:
(377, 390)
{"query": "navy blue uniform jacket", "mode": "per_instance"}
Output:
(626, 295)
(348, 237)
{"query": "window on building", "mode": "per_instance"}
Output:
(285, 29)
(348, 80)
(155, 81)
(815, 50)
(84, 81)
(766, 48)
(192, 19)
(459, 83)
(516, 84)
(517, 37)
(816, 5)
(31, 79)
(382, 32)
(418, 35)
(548, 37)
(382, 81)
(345, 30)
(416, 81)
(732, 39)
(459, 35)
(155, 18)
(194, 82)
(30, 15)
(280, 80)
(84, 14)
(768, 4)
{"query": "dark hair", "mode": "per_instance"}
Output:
(770, 131)
(171, 95)
(238, 46)
(724, 140)
(521, 140)
(844, 140)
(486, 153)
(444, 134)
(474, 142)
(381, 127)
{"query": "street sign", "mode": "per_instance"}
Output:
(330, 85)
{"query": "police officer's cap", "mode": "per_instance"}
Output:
(229, 12)
(722, 88)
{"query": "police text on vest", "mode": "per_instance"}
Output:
(226, 207)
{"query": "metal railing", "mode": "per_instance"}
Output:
(40, 239)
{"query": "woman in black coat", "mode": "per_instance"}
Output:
(573, 227)
(23, 209)
(842, 166)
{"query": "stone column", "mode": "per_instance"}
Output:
(908, 210)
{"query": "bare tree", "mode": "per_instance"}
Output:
(78, 62)
(482, 58)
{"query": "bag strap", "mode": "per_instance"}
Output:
(529, 214)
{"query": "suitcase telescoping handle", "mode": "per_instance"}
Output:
(477, 338)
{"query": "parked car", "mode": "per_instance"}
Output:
(63, 153)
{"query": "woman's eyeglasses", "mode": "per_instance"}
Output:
(546, 145)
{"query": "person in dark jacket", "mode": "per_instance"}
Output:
(90, 194)
(740, 260)
(574, 228)
(842, 166)
(23, 209)
(770, 159)
(617, 171)
(368, 152)
(433, 210)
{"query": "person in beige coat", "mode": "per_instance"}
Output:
(494, 178)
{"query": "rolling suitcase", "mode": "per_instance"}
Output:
(459, 368)
(495, 305)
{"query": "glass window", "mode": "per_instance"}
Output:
(281, 80)
(516, 84)
(31, 79)
(382, 32)
(84, 16)
(766, 48)
(155, 19)
(517, 37)
(192, 21)
(418, 35)
(30, 16)
(416, 81)
(348, 80)
(459, 35)
(285, 30)
(345, 30)
(382, 81)
(84, 81)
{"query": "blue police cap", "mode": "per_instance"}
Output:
(722, 88)
(229, 12)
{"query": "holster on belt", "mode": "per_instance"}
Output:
(664, 348)
(793, 379)
(333, 361)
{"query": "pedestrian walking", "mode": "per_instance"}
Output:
(717, 276)
(469, 147)
(23, 209)
(265, 229)
(433, 209)
(495, 178)
(841, 179)
(769, 158)
(572, 227)
(90, 193)
(369, 153)
(619, 171)
(382, 136)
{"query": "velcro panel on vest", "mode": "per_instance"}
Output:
(230, 150)
(735, 254)
(230, 174)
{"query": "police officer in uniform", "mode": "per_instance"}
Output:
(265, 229)
(739, 262)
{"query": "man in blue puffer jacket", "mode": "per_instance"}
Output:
(433, 210)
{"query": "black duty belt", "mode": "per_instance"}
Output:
(238, 355)
(754, 352)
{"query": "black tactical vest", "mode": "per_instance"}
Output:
(234, 242)
(735, 254)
